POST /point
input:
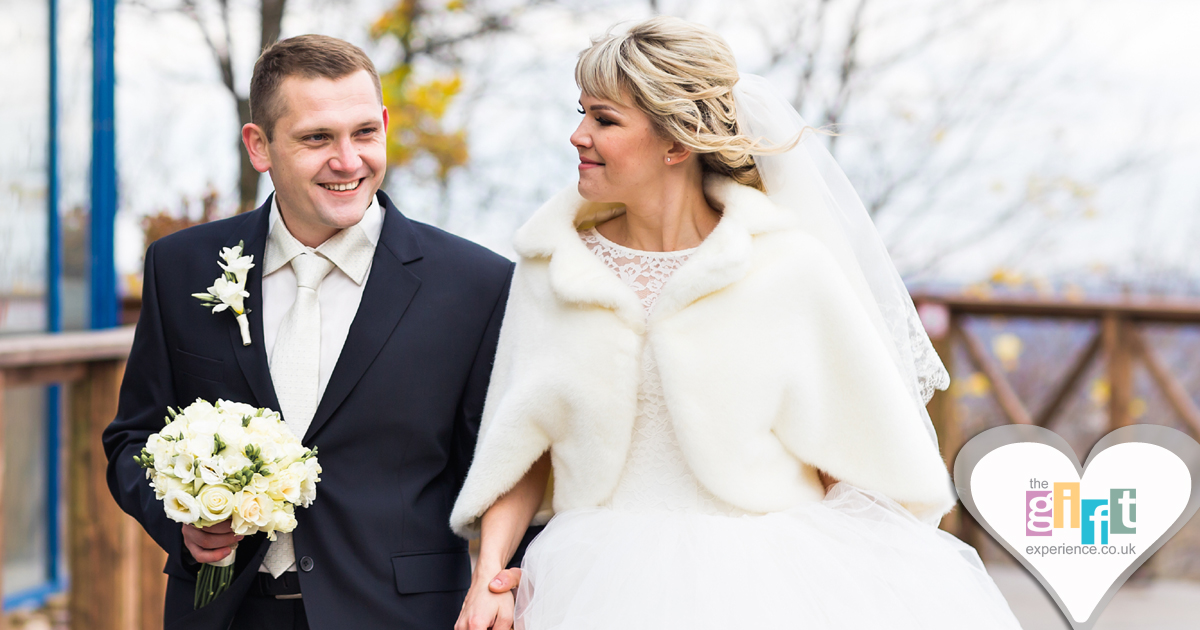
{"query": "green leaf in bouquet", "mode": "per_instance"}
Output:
(218, 444)
(245, 421)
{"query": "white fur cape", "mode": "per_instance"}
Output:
(770, 366)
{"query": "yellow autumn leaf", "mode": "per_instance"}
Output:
(1007, 348)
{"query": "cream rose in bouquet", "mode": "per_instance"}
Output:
(229, 461)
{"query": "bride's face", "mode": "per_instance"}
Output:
(620, 152)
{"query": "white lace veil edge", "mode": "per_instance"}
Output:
(807, 179)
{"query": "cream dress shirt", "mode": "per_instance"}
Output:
(340, 292)
(351, 252)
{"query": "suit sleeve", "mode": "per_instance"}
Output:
(466, 424)
(509, 439)
(466, 429)
(146, 392)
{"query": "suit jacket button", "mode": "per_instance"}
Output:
(306, 564)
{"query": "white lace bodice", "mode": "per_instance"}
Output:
(656, 475)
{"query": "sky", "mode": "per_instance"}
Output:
(1074, 121)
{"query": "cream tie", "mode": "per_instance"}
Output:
(295, 372)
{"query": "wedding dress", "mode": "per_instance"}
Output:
(664, 553)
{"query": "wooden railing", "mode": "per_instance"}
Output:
(116, 579)
(1119, 342)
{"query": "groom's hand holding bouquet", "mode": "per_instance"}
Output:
(227, 471)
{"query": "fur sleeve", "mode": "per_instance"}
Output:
(510, 436)
(847, 411)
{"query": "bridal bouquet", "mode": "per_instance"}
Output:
(229, 461)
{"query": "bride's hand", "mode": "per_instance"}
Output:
(484, 609)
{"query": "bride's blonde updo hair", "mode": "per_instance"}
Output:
(681, 75)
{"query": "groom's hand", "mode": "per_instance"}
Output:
(210, 544)
(505, 581)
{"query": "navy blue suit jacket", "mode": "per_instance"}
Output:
(395, 428)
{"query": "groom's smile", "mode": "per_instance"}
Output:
(327, 154)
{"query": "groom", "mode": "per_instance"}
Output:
(373, 335)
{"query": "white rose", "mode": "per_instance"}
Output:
(308, 487)
(285, 486)
(181, 507)
(216, 502)
(283, 521)
(270, 450)
(260, 425)
(292, 452)
(199, 446)
(165, 464)
(258, 484)
(199, 410)
(251, 512)
(183, 468)
(212, 470)
(164, 483)
(237, 409)
(234, 461)
(158, 447)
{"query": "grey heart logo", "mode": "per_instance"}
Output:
(1080, 530)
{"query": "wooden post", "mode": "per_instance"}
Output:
(97, 553)
(3, 616)
(1005, 395)
(942, 411)
(152, 586)
(1175, 392)
(1119, 352)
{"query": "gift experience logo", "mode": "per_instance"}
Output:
(1081, 530)
(1059, 506)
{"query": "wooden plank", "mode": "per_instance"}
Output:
(152, 584)
(1176, 394)
(44, 374)
(1144, 310)
(1071, 381)
(941, 410)
(3, 616)
(1005, 395)
(1117, 351)
(97, 556)
(68, 347)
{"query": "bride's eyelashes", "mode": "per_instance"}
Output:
(604, 122)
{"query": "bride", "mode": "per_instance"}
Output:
(708, 344)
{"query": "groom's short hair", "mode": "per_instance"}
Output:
(306, 56)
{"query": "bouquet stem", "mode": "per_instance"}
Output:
(213, 580)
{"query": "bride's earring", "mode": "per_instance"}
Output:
(668, 160)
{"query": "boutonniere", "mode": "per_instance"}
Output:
(229, 290)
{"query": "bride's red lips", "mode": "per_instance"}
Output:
(586, 163)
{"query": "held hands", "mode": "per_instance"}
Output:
(490, 607)
(210, 544)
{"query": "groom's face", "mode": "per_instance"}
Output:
(328, 153)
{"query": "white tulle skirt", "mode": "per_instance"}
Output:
(855, 560)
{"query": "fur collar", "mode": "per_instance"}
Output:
(578, 277)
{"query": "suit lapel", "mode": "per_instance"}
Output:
(389, 290)
(252, 359)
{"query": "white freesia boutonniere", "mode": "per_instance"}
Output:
(229, 290)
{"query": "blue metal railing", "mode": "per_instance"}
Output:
(102, 274)
(102, 268)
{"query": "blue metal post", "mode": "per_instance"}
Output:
(53, 306)
(102, 271)
(55, 582)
